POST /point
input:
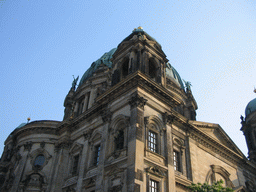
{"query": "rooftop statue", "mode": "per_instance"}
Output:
(74, 82)
(187, 85)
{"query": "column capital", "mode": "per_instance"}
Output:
(137, 101)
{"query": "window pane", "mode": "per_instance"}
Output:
(75, 164)
(97, 155)
(39, 161)
(152, 141)
(176, 160)
(153, 186)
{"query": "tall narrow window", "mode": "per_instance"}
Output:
(125, 68)
(153, 186)
(96, 155)
(119, 140)
(152, 141)
(152, 70)
(75, 165)
(80, 107)
(176, 160)
(88, 99)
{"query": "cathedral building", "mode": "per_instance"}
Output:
(129, 126)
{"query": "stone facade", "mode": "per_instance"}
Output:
(129, 126)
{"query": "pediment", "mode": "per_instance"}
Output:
(217, 133)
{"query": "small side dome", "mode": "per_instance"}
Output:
(251, 107)
(172, 74)
(105, 59)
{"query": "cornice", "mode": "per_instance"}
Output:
(49, 127)
(138, 79)
(72, 124)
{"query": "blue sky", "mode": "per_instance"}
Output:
(43, 43)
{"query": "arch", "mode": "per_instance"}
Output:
(157, 121)
(217, 171)
(118, 137)
(152, 68)
(119, 119)
(177, 142)
(154, 135)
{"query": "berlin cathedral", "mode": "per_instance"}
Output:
(129, 125)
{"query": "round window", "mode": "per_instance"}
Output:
(39, 161)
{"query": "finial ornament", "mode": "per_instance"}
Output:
(140, 27)
(254, 90)
(28, 119)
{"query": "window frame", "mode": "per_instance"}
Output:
(153, 188)
(157, 178)
(96, 155)
(74, 160)
(177, 160)
(39, 165)
(153, 141)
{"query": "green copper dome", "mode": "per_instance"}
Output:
(105, 59)
(171, 73)
(251, 107)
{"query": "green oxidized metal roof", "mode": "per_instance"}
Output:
(105, 59)
(251, 107)
(173, 74)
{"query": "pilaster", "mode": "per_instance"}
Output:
(136, 144)
(106, 118)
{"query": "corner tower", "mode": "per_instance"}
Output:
(249, 128)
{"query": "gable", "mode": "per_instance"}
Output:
(217, 133)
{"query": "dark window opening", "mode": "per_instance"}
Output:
(75, 164)
(80, 107)
(153, 186)
(152, 70)
(88, 99)
(39, 161)
(96, 155)
(119, 140)
(125, 68)
(152, 141)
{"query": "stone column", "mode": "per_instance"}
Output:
(138, 60)
(188, 158)
(131, 61)
(22, 165)
(61, 168)
(106, 117)
(85, 102)
(135, 167)
(92, 96)
(49, 186)
(87, 135)
(168, 119)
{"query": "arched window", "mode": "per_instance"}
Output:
(119, 140)
(125, 68)
(218, 173)
(152, 69)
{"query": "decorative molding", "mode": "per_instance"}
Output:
(137, 101)
(28, 146)
(106, 115)
(155, 170)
